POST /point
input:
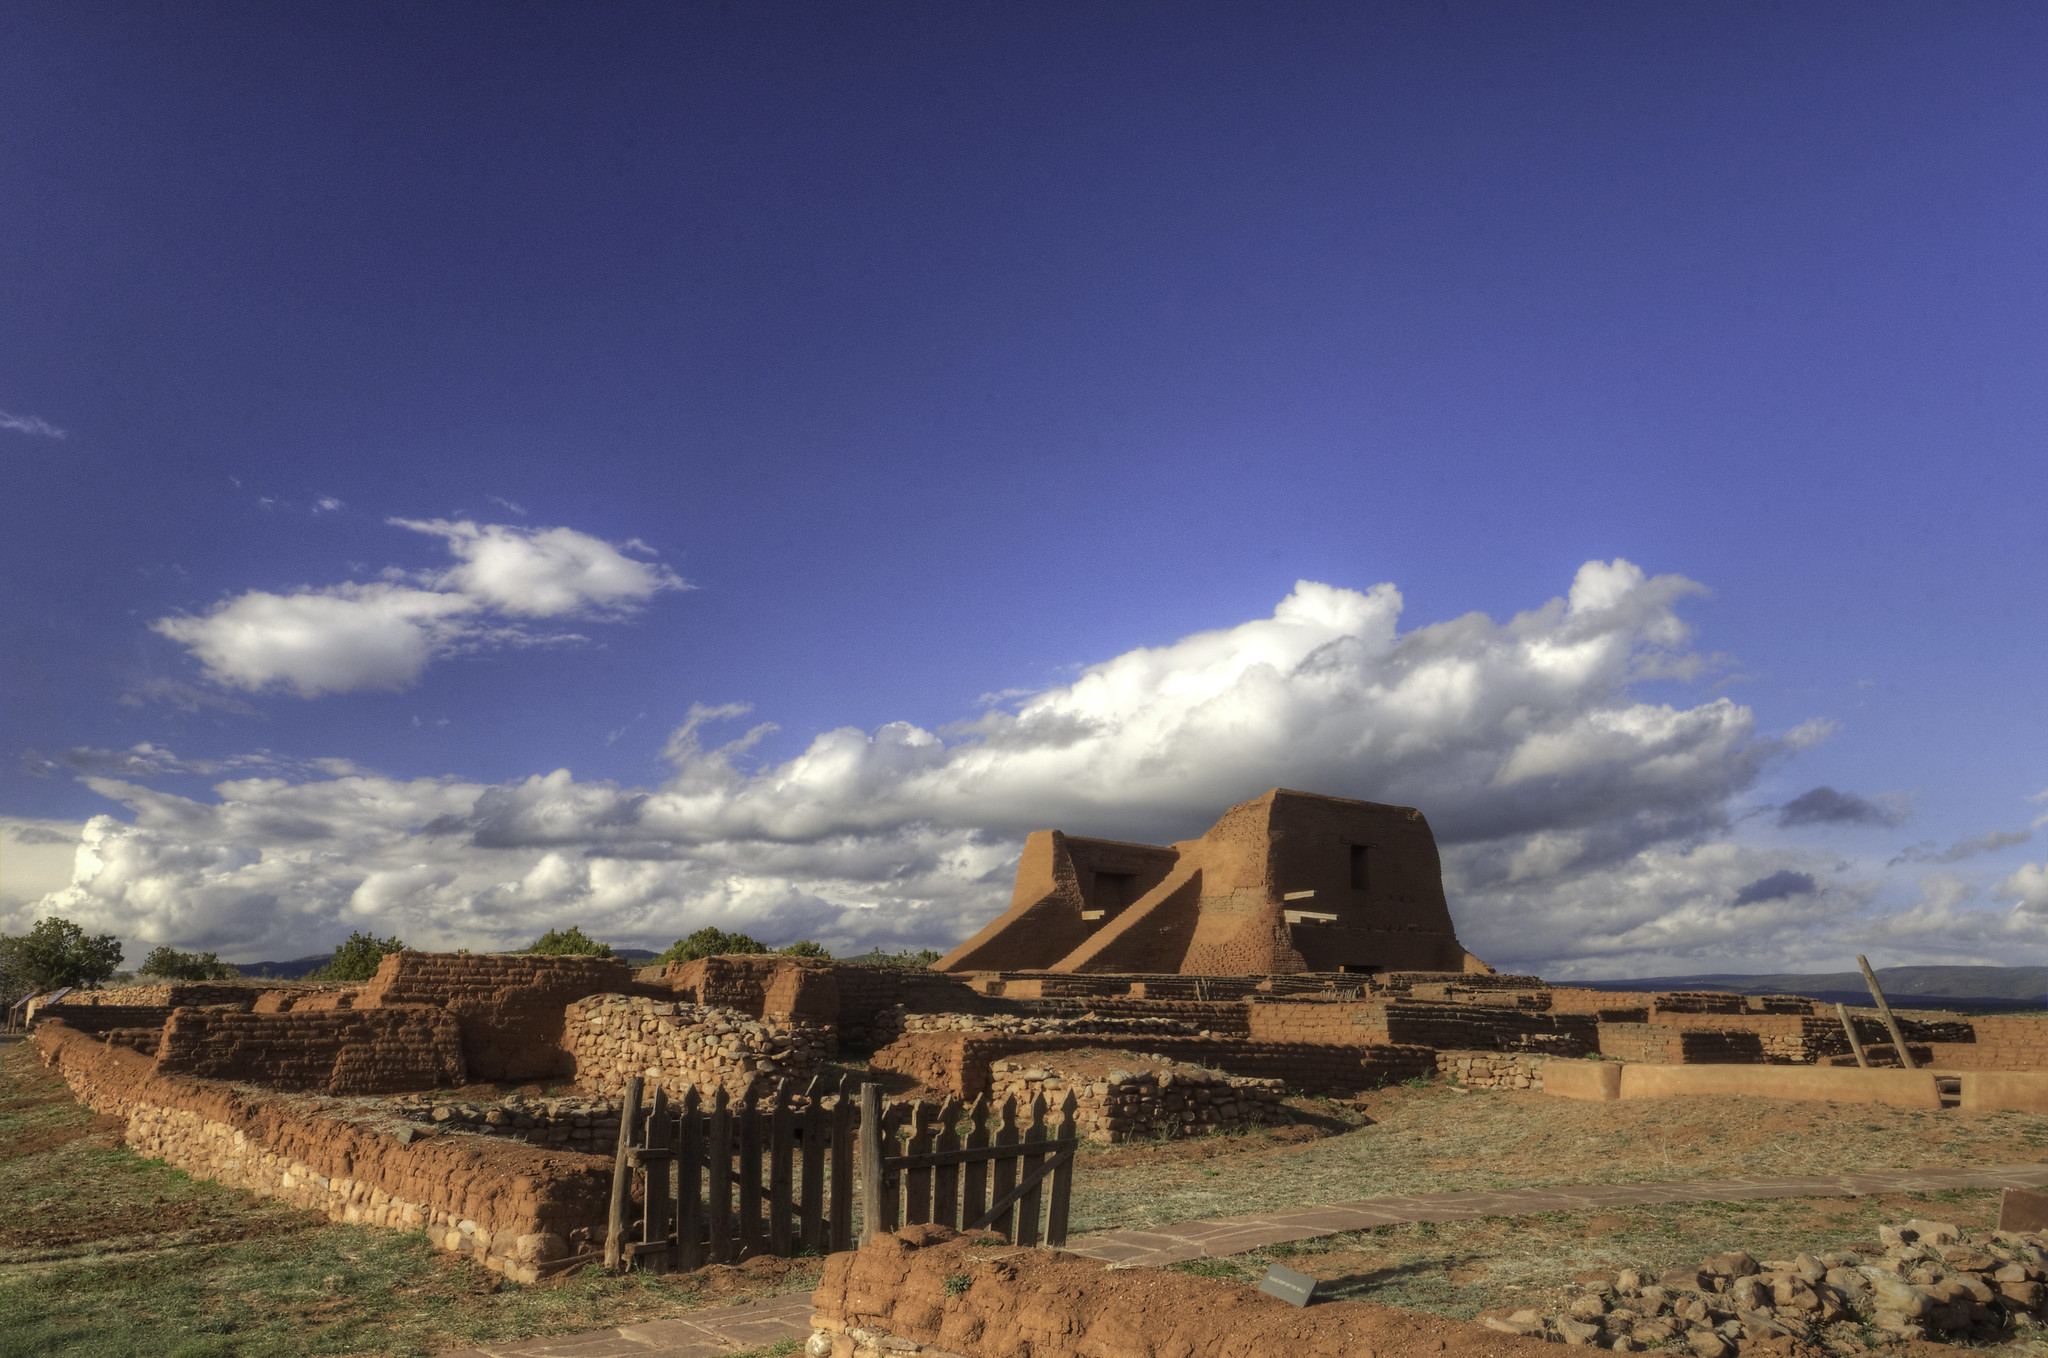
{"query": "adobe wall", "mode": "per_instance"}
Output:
(340, 1052)
(508, 1206)
(2029, 1031)
(509, 1005)
(958, 1063)
(904, 1290)
(613, 1037)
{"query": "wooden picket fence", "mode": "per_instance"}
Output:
(784, 1183)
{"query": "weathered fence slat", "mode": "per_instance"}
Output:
(622, 1175)
(1063, 1174)
(871, 1162)
(690, 1224)
(976, 1200)
(1027, 1207)
(892, 1175)
(918, 1192)
(655, 1216)
(750, 1169)
(718, 1157)
(1005, 1176)
(811, 1174)
(946, 1176)
(841, 1224)
(781, 1146)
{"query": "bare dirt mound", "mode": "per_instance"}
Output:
(977, 1295)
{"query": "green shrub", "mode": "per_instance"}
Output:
(710, 942)
(56, 953)
(357, 959)
(569, 942)
(803, 947)
(172, 965)
(924, 957)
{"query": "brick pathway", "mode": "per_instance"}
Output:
(733, 1329)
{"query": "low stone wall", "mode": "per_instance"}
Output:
(589, 1123)
(1493, 1070)
(866, 991)
(959, 1063)
(100, 1018)
(1138, 1103)
(613, 1037)
(360, 1051)
(509, 1005)
(167, 995)
(894, 1023)
(512, 1208)
(1229, 1018)
(1479, 1027)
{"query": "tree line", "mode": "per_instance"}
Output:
(56, 953)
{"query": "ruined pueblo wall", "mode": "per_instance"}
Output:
(509, 1006)
(959, 1063)
(614, 1037)
(1493, 1070)
(339, 1052)
(508, 1206)
(1062, 880)
(168, 994)
(1141, 1104)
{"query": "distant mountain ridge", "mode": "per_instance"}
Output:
(1908, 987)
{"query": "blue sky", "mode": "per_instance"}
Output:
(416, 413)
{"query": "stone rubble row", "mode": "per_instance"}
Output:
(1932, 1280)
(614, 1037)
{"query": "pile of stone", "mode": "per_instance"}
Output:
(614, 1037)
(892, 1023)
(576, 1123)
(1932, 1280)
(1134, 1105)
(1492, 1070)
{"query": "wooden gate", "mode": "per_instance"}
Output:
(726, 1179)
(991, 1178)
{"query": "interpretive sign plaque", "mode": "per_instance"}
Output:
(1296, 1289)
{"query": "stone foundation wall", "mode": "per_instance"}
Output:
(589, 1123)
(512, 1208)
(359, 1051)
(1479, 1027)
(612, 1037)
(959, 1063)
(1144, 1104)
(168, 995)
(894, 1023)
(1493, 1070)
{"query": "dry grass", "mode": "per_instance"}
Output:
(105, 1253)
(1436, 1139)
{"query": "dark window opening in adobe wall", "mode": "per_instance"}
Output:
(1358, 867)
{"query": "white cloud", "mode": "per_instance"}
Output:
(1585, 832)
(326, 504)
(35, 859)
(352, 638)
(2028, 888)
(30, 424)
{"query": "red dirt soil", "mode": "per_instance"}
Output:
(1055, 1305)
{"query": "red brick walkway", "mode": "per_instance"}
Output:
(736, 1329)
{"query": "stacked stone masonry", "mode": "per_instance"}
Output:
(1492, 1070)
(614, 1037)
(1143, 1105)
(362, 1051)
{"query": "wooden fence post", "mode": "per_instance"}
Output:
(811, 1175)
(975, 1202)
(1034, 1141)
(615, 1237)
(870, 1162)
(750, 1169)
(656, 1216)
(1877, 993)
(946, 1178)
(1849, 1027)
(917, 1190)
(1005, 1176)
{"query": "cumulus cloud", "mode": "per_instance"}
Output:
(1964, 848)
(359, 637)
(1825, 806)
(2027, 888)
(1778, 886)
(1585, 831)
(30, 424)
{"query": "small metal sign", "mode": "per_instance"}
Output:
(1296, 1289)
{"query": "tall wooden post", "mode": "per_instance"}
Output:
(1849, 1027)
(622, 1174)
(870, 1161)
(1898, 1038)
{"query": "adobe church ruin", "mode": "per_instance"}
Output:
(1285, 883)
